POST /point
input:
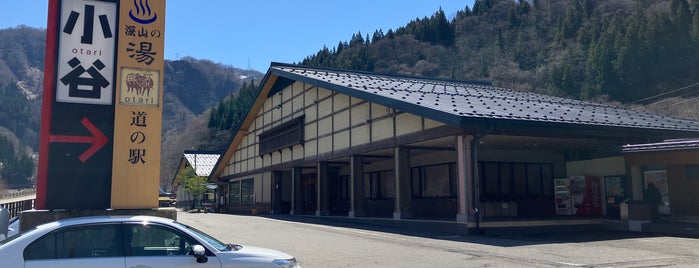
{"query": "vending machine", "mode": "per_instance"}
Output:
(564, 205)
(615, 190)
(578, 195)
(586, 194)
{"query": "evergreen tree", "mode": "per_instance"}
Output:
(568, 27)
(16, 167)
(229, 113)
(378, 35)
(482, 6)
(601, 57)
(357, 40)
(694, 34)
(629, 60)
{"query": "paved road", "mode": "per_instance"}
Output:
(321, 245)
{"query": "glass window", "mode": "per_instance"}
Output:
(156, 240)
(491, 179)
(388, 184)
(534, 180)
(519, 175)
(434, 181)
(247, 191)
(515, 180)
(547, 179)
(437, 181)
(505, 179)
(242, 192)
(367, 185)
(417, 186)
(379, 185)
(90, 241)
(206, 237)
(344, 187)
(234, 192)
(283, 136)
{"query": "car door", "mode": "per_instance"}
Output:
(160, 246)
(98, 245)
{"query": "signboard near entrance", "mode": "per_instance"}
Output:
(138, 109)
(101, 117)
(86, 52)
(77, 110)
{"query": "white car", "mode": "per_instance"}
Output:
(129, 241)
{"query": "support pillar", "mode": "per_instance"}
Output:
(403, 206)
(464, 166)
(322, 189)
(356, 186)
(637, 185)
(296, 199)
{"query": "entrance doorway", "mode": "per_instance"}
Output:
(309, 193)
(338, 196)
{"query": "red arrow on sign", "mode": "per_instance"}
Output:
(98, 139)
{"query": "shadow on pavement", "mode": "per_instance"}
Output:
(511, 238)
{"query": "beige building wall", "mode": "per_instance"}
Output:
(333, 122)
(600, 167)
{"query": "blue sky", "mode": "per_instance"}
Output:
(254, 33)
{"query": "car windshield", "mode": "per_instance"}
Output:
(220, 246)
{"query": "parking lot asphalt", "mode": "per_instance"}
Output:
(316, 242)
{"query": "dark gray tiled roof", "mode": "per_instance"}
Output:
(668, 145)
(454, 101)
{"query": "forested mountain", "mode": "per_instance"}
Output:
(639, 53)
(21, 74)
(621, 50)
(626, 51)
(191, 86)
(630, 52)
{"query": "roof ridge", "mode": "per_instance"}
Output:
(403, 76)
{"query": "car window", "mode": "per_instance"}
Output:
(91, 241)
(220, 246)
(157, 240)
(15, 236)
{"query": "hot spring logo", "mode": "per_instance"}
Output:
(143, 15)
(139, 87)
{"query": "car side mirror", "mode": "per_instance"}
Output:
(200, 253)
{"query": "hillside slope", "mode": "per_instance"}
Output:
(622, 50)
(191, 87)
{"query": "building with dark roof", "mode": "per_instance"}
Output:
(322, 142)
(673, 167)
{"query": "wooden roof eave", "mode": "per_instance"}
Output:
(567, 129)
(180, 167)
(241, 130)
(436, 115)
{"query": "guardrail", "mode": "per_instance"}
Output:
(16, 202)
(15, 206)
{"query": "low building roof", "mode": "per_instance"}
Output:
(203, 162)
(667, 145)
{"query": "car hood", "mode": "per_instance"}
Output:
(255, 252)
